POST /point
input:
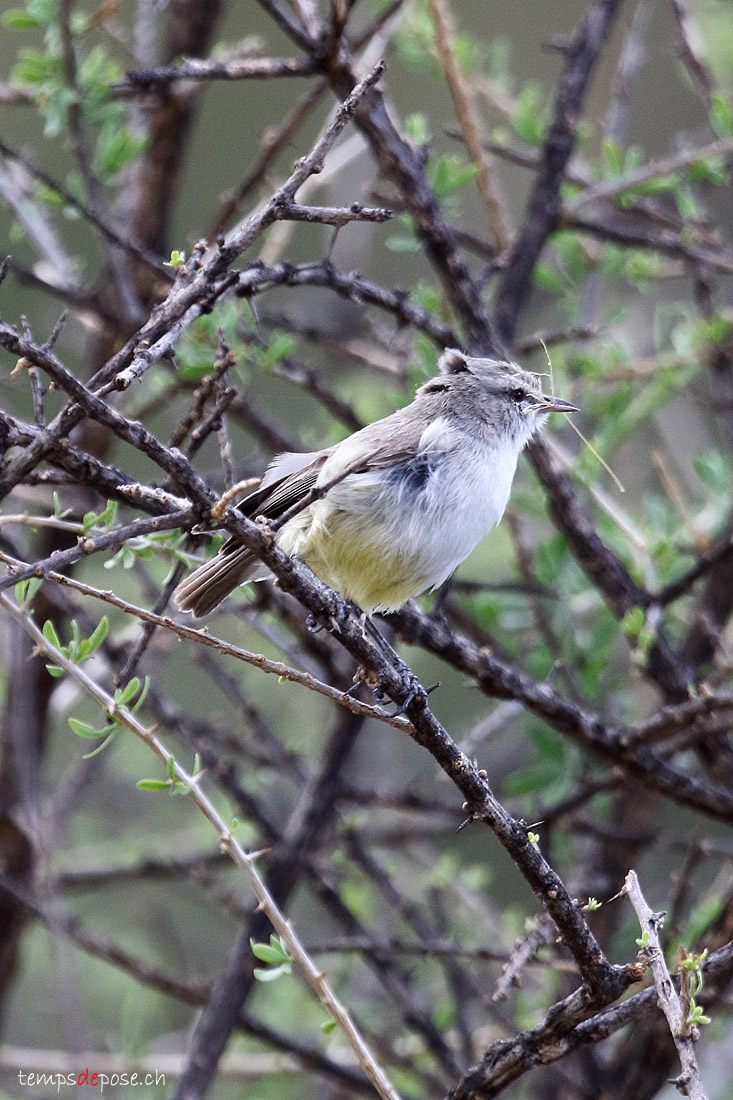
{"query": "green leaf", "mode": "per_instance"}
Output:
(449, 173)
(633, 622)
(97, 637)
(55, 671)
(614, 158)
(171, 767)
(402, 244)
(177, 790)
(26, 590)
(686, 204)
(721, 117)
(178, 259)
(117, 146)
(141, 697)
(128, 692)
(49, 633)
(83, 729)
(272, 974)
(269, 953)
(153, 784)
(713, 469)
(328, 1027)
(100, 748)
(548, 279)
(281, 345)
(45, 12)
(417, 128)
(18, 20)
(530, 117)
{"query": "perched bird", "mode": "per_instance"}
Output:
(424, 486)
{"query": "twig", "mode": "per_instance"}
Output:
(258, 660)
(656, 169)
(273, 141)
(246, 862)
(543, 208)
(86, 546)
(540, 933)
(689, 1082)
(693, 53)
(332, 215)
(195, 68)
(466, 110)
(134, 249)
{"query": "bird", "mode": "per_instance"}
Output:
(408, 497)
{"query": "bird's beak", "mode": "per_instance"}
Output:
(556, 404)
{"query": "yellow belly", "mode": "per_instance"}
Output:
(363, 567)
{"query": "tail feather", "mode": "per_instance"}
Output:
(211, 583)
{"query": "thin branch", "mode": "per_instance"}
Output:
(246, 862)
(543, 208)
(656, 169)
(194, 68)
(333, 215)
(466, 109)
(258, 660)
(92, 216)
(650, 922)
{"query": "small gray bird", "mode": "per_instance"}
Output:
(436, 478)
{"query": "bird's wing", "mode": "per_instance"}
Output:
(291, 475)
(287, 480)
(392, 440)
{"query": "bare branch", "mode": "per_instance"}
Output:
(689, 1082)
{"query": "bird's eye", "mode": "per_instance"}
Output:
(518, 395)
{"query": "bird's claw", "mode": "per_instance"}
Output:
(325, 621)
(415, 693)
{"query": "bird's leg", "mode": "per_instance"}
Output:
(415, 690)
(330, 618)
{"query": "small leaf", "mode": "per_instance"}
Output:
(153, 784)
(273, 974)
(128, 692)
(633, 621)
(402, 244)
(100, 633)
(55, 671)
(179, 788)
(18, 20)
(141, 697)
(26, 590)
(100, 748)
(178, 259)
(83, 729)
(49, 633)
(721, 117)
(417, 127)
(328, 1027)
(266, 953)
(171, 767)
(281, 345)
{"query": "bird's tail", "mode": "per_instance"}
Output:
(211, 583)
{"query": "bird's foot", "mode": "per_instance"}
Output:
(328, 619)
(414, 692)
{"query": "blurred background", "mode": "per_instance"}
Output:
(128, 883)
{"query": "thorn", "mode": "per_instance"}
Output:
(48, 346)
(254, 856)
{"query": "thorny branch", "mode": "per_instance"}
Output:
(650, 754)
